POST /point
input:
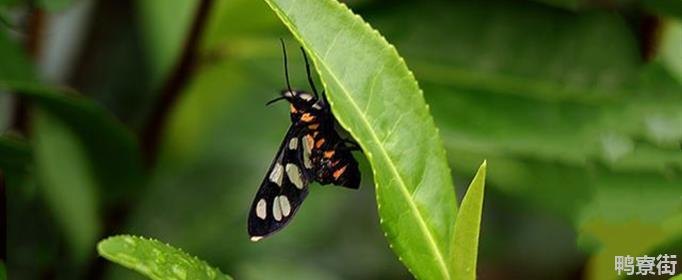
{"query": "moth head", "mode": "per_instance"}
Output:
(300, 101)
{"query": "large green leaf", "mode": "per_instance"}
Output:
(111, 148)
(376, 98)
(566, 102)
(464, 251)
(517, 48)
(156, 260)
(67, 181)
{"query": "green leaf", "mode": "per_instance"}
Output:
(376, 98)
(155, 260)
(516, 48)
(677, 277)
(464, 251)
(671, 40)
(80, 152)
(110, 147)
(561, 102)
(67, 181)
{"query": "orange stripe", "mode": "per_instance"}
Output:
(307, 117)
(319, 143)
(339, 172)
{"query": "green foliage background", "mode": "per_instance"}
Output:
(577, 109)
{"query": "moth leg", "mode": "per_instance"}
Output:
(354, 146)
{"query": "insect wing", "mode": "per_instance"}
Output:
(283, 189)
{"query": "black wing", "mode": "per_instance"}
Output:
(283, 189)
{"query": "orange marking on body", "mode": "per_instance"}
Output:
(293, 109)
(339, 172)
(329, 154)
(314, 126)
(307, 117)
(319, 143)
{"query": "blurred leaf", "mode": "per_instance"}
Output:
(526, 88)
(677, 277)
(464, 250)
(517, 48)
(376, 98)
(165, 30)
(671, 45)
(110, 147)
(67, 181)
(629, 214)
(570, 133)
(155, 260)
(3, 271)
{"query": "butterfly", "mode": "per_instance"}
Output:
(312, 150)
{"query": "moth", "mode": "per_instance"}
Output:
(312, 150)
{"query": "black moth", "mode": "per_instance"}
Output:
(312, 150)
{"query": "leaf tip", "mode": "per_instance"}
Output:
(482, 169)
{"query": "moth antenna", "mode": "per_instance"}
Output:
(307, 70)
(286, 67)
(274, 100)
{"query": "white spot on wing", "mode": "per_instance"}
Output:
(261, 209)
(306, 160)
(294, 175)
(256, 238)
(307, 148)
(284, 205)
(276, 209)
(293, 143)
(277, 174)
